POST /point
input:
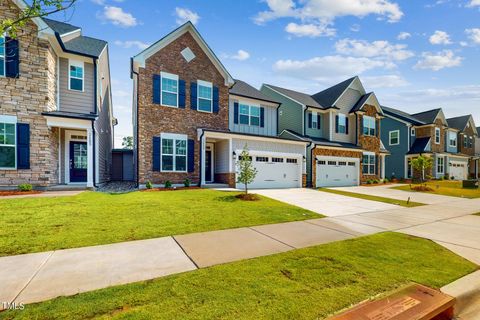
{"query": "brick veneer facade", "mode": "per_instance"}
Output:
(27, 97)
(153, 119)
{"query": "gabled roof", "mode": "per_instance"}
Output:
(243, 89)
(364, 100)
(60, 27)
(328, 97)
(299, 97)
(86, 45)
(420, 145)
(402, 116)
(459, 123)
(140, 58)
(427, 116)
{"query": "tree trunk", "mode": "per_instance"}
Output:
(246, 188)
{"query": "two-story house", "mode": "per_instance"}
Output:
(465, 142)
(192, 119)
(56, 112)
(341, 125)
(476, 159)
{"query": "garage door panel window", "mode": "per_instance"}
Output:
(368, 163)
(261, 159)
(332, 163)
(249, 115)
(351, 164)
(289, 160)
(277, 160)
(369, 126)
(174, 155)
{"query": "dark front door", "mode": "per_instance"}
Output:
(208, 166)
(78, 161)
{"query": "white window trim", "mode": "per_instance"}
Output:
(314, 119)
(11, 120)
(413, 131)
(4, 58)
(374, 165)
(170, 76)
(174, 137)
(390, 137)
(204, 84)
(373, 120)
(249, 114)
(344, 117)
(450, 139)
(80, 64)
(439, 137)
(443, 165)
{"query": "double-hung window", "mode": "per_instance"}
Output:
(452, 139)
(205, 96)
(437, 135)
(369, 126)
(174, 152)
(314, 120)
(394, 137)
(342, 123)
(76, 75)
(2, 56)
(470, 142)
(440, 165)
(8, 147)
(169, 89)
(368, 163)
(465, 141)
(249, 115)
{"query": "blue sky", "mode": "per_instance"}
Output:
(415, 55)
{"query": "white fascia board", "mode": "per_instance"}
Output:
(271, 153)
(224, 135)
(68, 123)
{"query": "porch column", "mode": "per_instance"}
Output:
(90, 162)
(383, 167)
(202, 163)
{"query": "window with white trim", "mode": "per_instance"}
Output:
(452, 139)
(2, 55)
(470, 142)
(465, 141)
(342, 123)
(394, 137)
(369, 126)
(169, 94)
(174, 153)
(205, 96)
(437, 135)
(8, 145)
(440, 165)
(314, 120)
(368, 162)
(75, 75)
(249, 115)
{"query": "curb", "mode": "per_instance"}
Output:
(467, 292)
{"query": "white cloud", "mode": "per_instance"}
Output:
(382, 50)
(438, 61)
(118, 17)
(440, 37)
(385, 81)
(241, 55)
(474, 3)
(474, 34)
(403, 36)
(184, 15)
(131, 43)
(309, 30)
(326, 68)
(355, 28)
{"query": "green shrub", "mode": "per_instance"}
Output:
(186, 183)
(376, 181)
(386, 180)
(168, 184)
(369, 181)
(149, 185)
(24, 187)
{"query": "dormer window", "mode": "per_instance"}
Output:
(2, 56)
(205, 96)
(76, 75)
(437, 135)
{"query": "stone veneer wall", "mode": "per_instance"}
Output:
(27, 97)
(370, 143)
(154, 119)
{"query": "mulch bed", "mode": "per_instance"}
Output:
(17, 193)
(170, 189)
(248, 197)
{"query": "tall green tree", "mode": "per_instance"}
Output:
(422, 164)
(246, 172)
(33, 9)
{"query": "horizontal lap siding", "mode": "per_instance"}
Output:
(290, 112)
(76, 101)
(395, 162)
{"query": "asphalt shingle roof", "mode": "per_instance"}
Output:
(303, 98)
(427, 116)
(458, 122)
(402, 115)
(328, 96)
(60, 27)
(86, 45)
(243, 89)
(361, 102)
(419, 145)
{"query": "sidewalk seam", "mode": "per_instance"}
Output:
(191, 259)
(266, 235)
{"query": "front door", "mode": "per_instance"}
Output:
(78, 161)
(208, 166)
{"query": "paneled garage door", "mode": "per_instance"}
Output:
(458, 170)
(337, 172)
(276, 172)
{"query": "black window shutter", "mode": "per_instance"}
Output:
(262, 117)
(319, 121)
(156, 154)
(215, 100)
(191, 155)
(346, 125)
(235, 112)
(156, 83)
(336, 123)
(23, 146)
(193, 95)
(181, 94)
(12, 59)
(310, 119)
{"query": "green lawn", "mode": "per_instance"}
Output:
(402, 203)
(308, 283)
(447, 188)
(41, 224)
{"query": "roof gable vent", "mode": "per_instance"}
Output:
(188, 54)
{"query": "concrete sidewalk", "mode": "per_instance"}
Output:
(46, 194)
(43, 276)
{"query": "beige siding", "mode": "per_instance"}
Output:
(76, 101)
(221, 156)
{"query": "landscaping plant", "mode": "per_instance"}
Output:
(149, 185)
(422, 164)
(246, 171)
(186, 183)
(168, 184)
(25, 187)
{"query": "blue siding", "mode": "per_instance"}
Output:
(395, 162)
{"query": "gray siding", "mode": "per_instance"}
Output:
(314, 132)
(290, 113)
(76, 101)
(395, 162)
(270, 121)
(352, 132)
(348, 100)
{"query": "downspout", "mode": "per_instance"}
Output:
(200, 150)
(356, 129)
(137, 131)
(311, 164)
(95, 110)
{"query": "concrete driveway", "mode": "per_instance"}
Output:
(386, 191)
(328, 204)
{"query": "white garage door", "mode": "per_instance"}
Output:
(337, 172)
(276, 172)
(458, 170)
